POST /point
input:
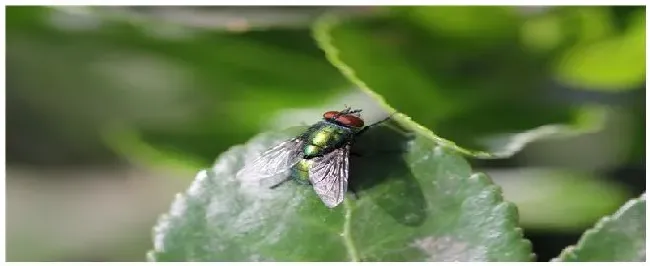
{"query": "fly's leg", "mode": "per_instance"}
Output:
(280, 183)
(363, 130)
(368, 127)
(392, 126)
(397, 128)
(373, 125)
(404, 132)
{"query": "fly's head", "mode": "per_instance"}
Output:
(350, 118)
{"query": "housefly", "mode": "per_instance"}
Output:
(319, 156)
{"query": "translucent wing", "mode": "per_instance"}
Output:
(273, 161)
(329, 176)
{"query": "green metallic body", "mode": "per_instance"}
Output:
(320, 139)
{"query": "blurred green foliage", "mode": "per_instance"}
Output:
(604, 59)
(226, 79)
(546, 196)
(98, 85)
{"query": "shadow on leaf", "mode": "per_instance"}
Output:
(382, 174)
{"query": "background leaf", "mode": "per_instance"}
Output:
(353, 46)
(425, 201)
(620, 237)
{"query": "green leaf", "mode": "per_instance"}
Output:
(372, 55)
(417, 202)
(620, 237)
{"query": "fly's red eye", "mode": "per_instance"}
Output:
(330, 114)
(350, 120)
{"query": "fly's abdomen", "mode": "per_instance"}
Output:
(300, 171)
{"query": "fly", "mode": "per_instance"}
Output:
(319, 156)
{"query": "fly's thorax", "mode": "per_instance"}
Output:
(300, 171)
(325, 137)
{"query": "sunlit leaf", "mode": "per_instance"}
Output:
(417, 202)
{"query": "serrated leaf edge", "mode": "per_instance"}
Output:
(511, 209)
(599, 225)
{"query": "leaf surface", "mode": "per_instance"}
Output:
(417, 201)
